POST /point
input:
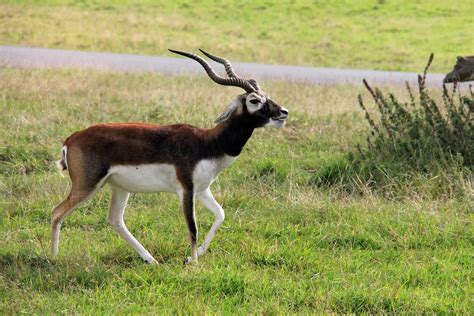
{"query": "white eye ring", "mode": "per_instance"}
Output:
(254, 101)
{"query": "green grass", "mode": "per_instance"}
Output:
(285, 246)
(390, 35)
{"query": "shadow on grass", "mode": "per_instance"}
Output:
(131, 259)
(368, 303)
(30, 271)
(26, 260)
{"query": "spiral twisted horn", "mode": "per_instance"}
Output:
(228, 66)
(229, 69)
(232, 81)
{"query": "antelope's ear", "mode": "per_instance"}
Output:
(234, 105)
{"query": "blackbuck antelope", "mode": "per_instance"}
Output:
(180, 158)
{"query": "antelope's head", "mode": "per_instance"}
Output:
(253, 107)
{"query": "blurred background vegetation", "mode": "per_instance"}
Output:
(388, 35)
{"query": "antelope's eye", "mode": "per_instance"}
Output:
(254, 101)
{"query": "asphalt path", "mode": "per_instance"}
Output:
(27, 57)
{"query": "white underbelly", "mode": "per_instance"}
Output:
(145, 178)
(162, 177)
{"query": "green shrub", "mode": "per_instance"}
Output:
(421, 145)
(422, 131)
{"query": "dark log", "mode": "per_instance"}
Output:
(462, 71)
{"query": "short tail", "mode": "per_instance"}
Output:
(62, 163)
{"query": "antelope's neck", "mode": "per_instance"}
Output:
(230, 137)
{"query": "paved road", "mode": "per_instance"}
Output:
(23, 57)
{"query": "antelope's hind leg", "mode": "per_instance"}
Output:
(87, 176)
(115, 219)
(74, 199)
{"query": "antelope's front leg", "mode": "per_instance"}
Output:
(190, 216)
(207, 199)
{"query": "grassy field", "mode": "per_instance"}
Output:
(390, 35)
(285, 246)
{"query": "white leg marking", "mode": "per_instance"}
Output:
(115, 219)
(207, 199)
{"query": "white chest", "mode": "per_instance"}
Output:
(206, 171)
